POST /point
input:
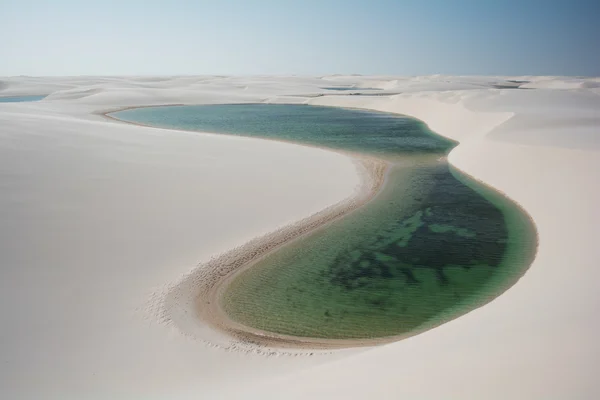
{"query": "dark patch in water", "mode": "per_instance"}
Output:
(465, 239)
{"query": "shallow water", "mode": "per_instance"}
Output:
(432, 245)
(341, 88)
(20, 99)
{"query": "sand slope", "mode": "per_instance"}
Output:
(99, 217)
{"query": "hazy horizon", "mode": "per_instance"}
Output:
(268, 37)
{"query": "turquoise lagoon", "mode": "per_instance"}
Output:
(433, 245)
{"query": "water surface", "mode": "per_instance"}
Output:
(431, 246)
(20, 99)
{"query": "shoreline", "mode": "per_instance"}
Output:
(208, 304)
(213, 277)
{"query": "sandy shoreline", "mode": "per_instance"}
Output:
(208, 301)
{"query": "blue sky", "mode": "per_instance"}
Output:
(135, 37)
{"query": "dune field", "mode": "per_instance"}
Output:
(108, 228)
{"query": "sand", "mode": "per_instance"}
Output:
(101, 220)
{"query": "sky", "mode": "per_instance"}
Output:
(304, 37)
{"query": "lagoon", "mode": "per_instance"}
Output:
(431, 246)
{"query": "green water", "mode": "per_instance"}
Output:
(432, 245)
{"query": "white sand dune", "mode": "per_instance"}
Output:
(99, 218)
